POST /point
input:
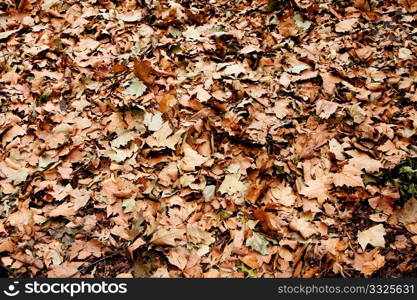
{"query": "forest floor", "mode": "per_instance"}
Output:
(208, 138)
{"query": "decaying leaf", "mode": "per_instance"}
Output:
(284, 195)
(143, 71)
(316, 189)
(305, 228)
(326, 108)
(191, 159)
(64, 270)
(258, 243)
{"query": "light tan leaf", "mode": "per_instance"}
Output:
(64, 270)
(346, 25)
(405, 54)
(317, 188)
(234, 69)
(232, 185)
(324, 109)
(191, 159)
(349, 176)
(65, 210)
(373, 236)
(284, 195)
(209, 192)
(163, 138)
(302, 226)
(329, 82)
(364, 162)
(6, 34)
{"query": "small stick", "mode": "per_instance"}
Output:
(93, 263)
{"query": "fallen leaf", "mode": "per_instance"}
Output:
(408, 213)
(373, 236)
(143, 70)
(163, 138)
(346, 25)
(64, 270)
(258, 243)
(317, 188)
(191, 159)
(6, 34)
(169, 237)
(232, 185)
(326, 108)
(136, 88)
(302, 226)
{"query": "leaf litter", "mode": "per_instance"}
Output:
(260, 138)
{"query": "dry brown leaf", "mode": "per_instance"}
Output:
(191, 159)
(408, 213)
(369, 267)
(169, 237)
(302, 226)
(64, 270)
(346, 25)
(317, 188)
(143, 71)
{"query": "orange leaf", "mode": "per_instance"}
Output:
(119, 68)
(143, 70)
(166, 101)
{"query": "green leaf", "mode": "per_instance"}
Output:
(249, 271)
(258, 243)
(136, 88)
(276, 5)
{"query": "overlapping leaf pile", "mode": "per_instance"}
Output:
(207, 138)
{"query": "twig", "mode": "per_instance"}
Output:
(92, 264)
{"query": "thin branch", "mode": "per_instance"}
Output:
(92, 264)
